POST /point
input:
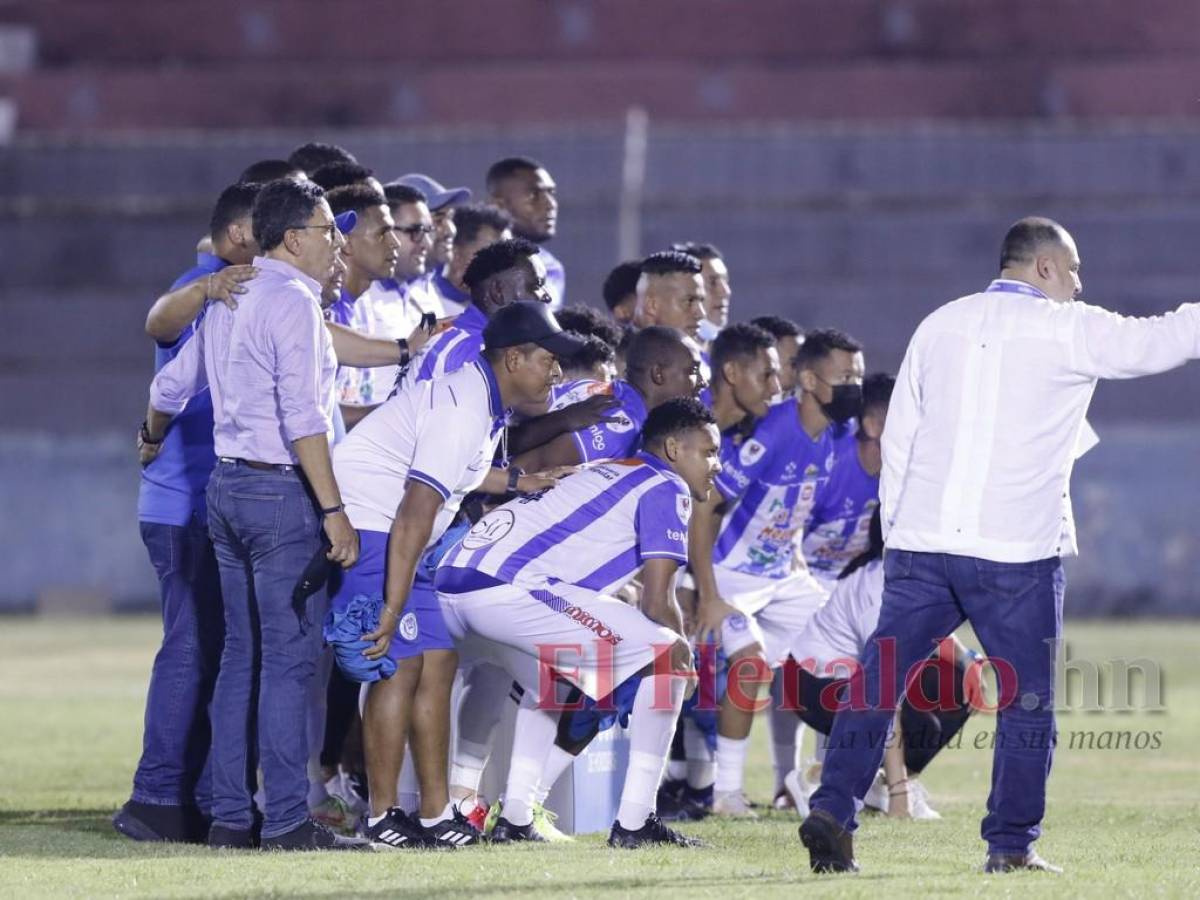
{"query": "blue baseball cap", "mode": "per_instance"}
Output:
(436, 196)
(346, 221)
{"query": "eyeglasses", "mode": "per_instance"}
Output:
(331, 229)
(415, 231)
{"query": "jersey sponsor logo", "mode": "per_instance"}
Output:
(597, 437)
(674, 535)
(491, 528)
(683, 507)
(751, 452)
(593, 624)
(408, 626)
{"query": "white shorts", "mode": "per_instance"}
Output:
(593, 642)
(773, 611)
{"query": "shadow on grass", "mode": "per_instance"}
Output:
(75, 834)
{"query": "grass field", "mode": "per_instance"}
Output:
(1122, 822)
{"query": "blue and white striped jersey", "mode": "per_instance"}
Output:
(605, 440)
(446, 353)
(838, 529)
(594, 529)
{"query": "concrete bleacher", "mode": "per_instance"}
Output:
(126, 64)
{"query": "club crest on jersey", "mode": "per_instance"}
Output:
(620, 423)
(683, 508)
(408, 626)
(751, 452)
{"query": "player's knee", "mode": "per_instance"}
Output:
(750, 678)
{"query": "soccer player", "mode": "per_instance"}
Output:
(529, 584)
(476, 225)
(524, 189)
(596, 361)
(670, 292)
(838, 525)
(311, 156)
(406, 469)
(172, 789)
(788, 338)
(661, 366)
(753, 591)
(620, 291)
(716, 287)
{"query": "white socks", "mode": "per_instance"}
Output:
(731, 761)
(466, 771)
(650, 733)
(447, 813)
(532, 743)
(700, 768)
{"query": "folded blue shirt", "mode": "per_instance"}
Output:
(343, 632)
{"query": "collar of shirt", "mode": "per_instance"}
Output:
(210, 262)
(495, 403)
(342, 309)
(1012, 286)
(287, 270)
(446, 289)
(654, 462)
(472, 320)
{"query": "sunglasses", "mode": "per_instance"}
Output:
(415, 231)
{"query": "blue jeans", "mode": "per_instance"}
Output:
(173, 769)
(1016, 610)
(265, 530)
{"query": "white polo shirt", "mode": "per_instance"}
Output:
(392, 309)
(839, 629)
(988, 412)
(443, 434)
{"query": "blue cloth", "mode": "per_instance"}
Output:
(265, 530)
(1016, 611)
(556, 278)
(342, 309)
(174, 766)
(172, 488)
(712, 668)
(343, 632)
(595, 716)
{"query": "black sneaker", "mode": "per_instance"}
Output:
(672, 789)
(680, 808)
(505, 832)
(223, 838)
(454, 832)
(151, 822)
(830, 846)
(397, 830)
(311, 835)
(652, 832)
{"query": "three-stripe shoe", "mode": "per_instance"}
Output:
(454, 832)
(397, 830)
(652, 832)
(505, 832)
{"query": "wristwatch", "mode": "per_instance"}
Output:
(144, 435)
(404, 354)
(514, 475)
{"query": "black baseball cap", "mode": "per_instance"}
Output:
(529, 322)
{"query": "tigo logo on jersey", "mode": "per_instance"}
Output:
(751, 452)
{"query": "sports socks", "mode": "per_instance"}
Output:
(651, 728)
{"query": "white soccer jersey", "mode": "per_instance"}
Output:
(840, 628)
(443, 434)
(594, 529)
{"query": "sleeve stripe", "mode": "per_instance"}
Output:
(664, 554)
(414, 475)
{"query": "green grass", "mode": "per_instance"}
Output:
(1122, 822)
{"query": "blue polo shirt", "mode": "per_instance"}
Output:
(556, 278)
(173, 485)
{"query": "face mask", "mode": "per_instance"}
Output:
(845, 404)
(707, 331)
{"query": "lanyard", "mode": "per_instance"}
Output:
(1001, 285)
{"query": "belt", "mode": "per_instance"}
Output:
(255, 464)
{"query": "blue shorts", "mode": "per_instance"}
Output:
(422, 627)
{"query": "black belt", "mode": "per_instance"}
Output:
(255, 464)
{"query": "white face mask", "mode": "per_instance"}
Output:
(707, 331)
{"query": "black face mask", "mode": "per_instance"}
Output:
(846, 403)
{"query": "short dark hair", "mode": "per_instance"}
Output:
(281, 205)
(235, 201)
(738, 342)
(354, 197)
(587, 321)
(1026, 237)
(648, 346)
(699, 250)
(471, 218)
(777, 326)
(621, 282)
(673, 417)
(503, 169)
(593, 352)
(311, 156)
(339, 174)
(877, 391)
(402, 195)
(666, 262)
(269, 170)
(820, 342)
(496, 258)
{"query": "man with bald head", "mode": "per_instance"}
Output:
(670, 292)
(983, 430)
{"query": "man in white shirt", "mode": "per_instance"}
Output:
(981, 436)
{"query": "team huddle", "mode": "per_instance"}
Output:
(382, 458)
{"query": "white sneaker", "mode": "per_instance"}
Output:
(794, 786)
(732, 804)
(877, 794)
(810, 778)
(918, 802)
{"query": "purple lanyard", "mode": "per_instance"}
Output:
(1015, 287)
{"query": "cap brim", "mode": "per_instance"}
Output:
(560, 343)
(448, 198)
(346, 221)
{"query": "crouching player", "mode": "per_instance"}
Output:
(530, 588)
